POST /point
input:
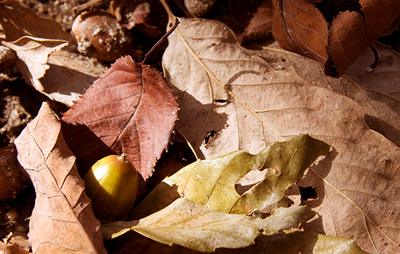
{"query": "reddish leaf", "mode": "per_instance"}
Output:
(62, 220)
(130, 109)
(338, 37)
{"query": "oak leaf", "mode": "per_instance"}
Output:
(62, 220)
(335, 41)
(236, 99)
(130, 109)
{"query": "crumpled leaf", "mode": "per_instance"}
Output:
(62, 220)
(33, 55)
(196, 227)
(211, 183)
(301, 27)
(355, 184)
(130, 109)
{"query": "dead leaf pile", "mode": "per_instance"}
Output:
(245, 112)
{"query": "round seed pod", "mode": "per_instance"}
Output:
(99, 35)
(112, 184)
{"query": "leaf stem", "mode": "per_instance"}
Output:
(165, 36)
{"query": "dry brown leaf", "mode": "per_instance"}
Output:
(385, 77)
(130, 109)
(33, 55)
(356, 183)
(299, 26)
(62, 220)
(61, 75)
(69, 75)
(18, 20)
(377, 96)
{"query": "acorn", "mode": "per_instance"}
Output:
(99, 35)
(112, 183)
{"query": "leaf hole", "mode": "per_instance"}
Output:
(247, 181)
(307, 193)
(209, 136)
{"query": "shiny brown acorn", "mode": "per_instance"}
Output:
(112, 184)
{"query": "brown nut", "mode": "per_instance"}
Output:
(99, 35)
(12, 177)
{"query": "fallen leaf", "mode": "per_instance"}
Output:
(18, 20)
(375, 92)
(385, 78)
(70, 75)
(62, 75)
(301, 27)
(288, 243)
(130, 109)
(211, 183)
(62, 220)
(226, 90)
(33, 55)
(199, 228)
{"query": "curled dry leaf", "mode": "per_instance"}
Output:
(301, 27)
(33, 54)
(62, 220)
(130, 109)
(60, 74)
(211, 183)
(202, 229)
(245, 102)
